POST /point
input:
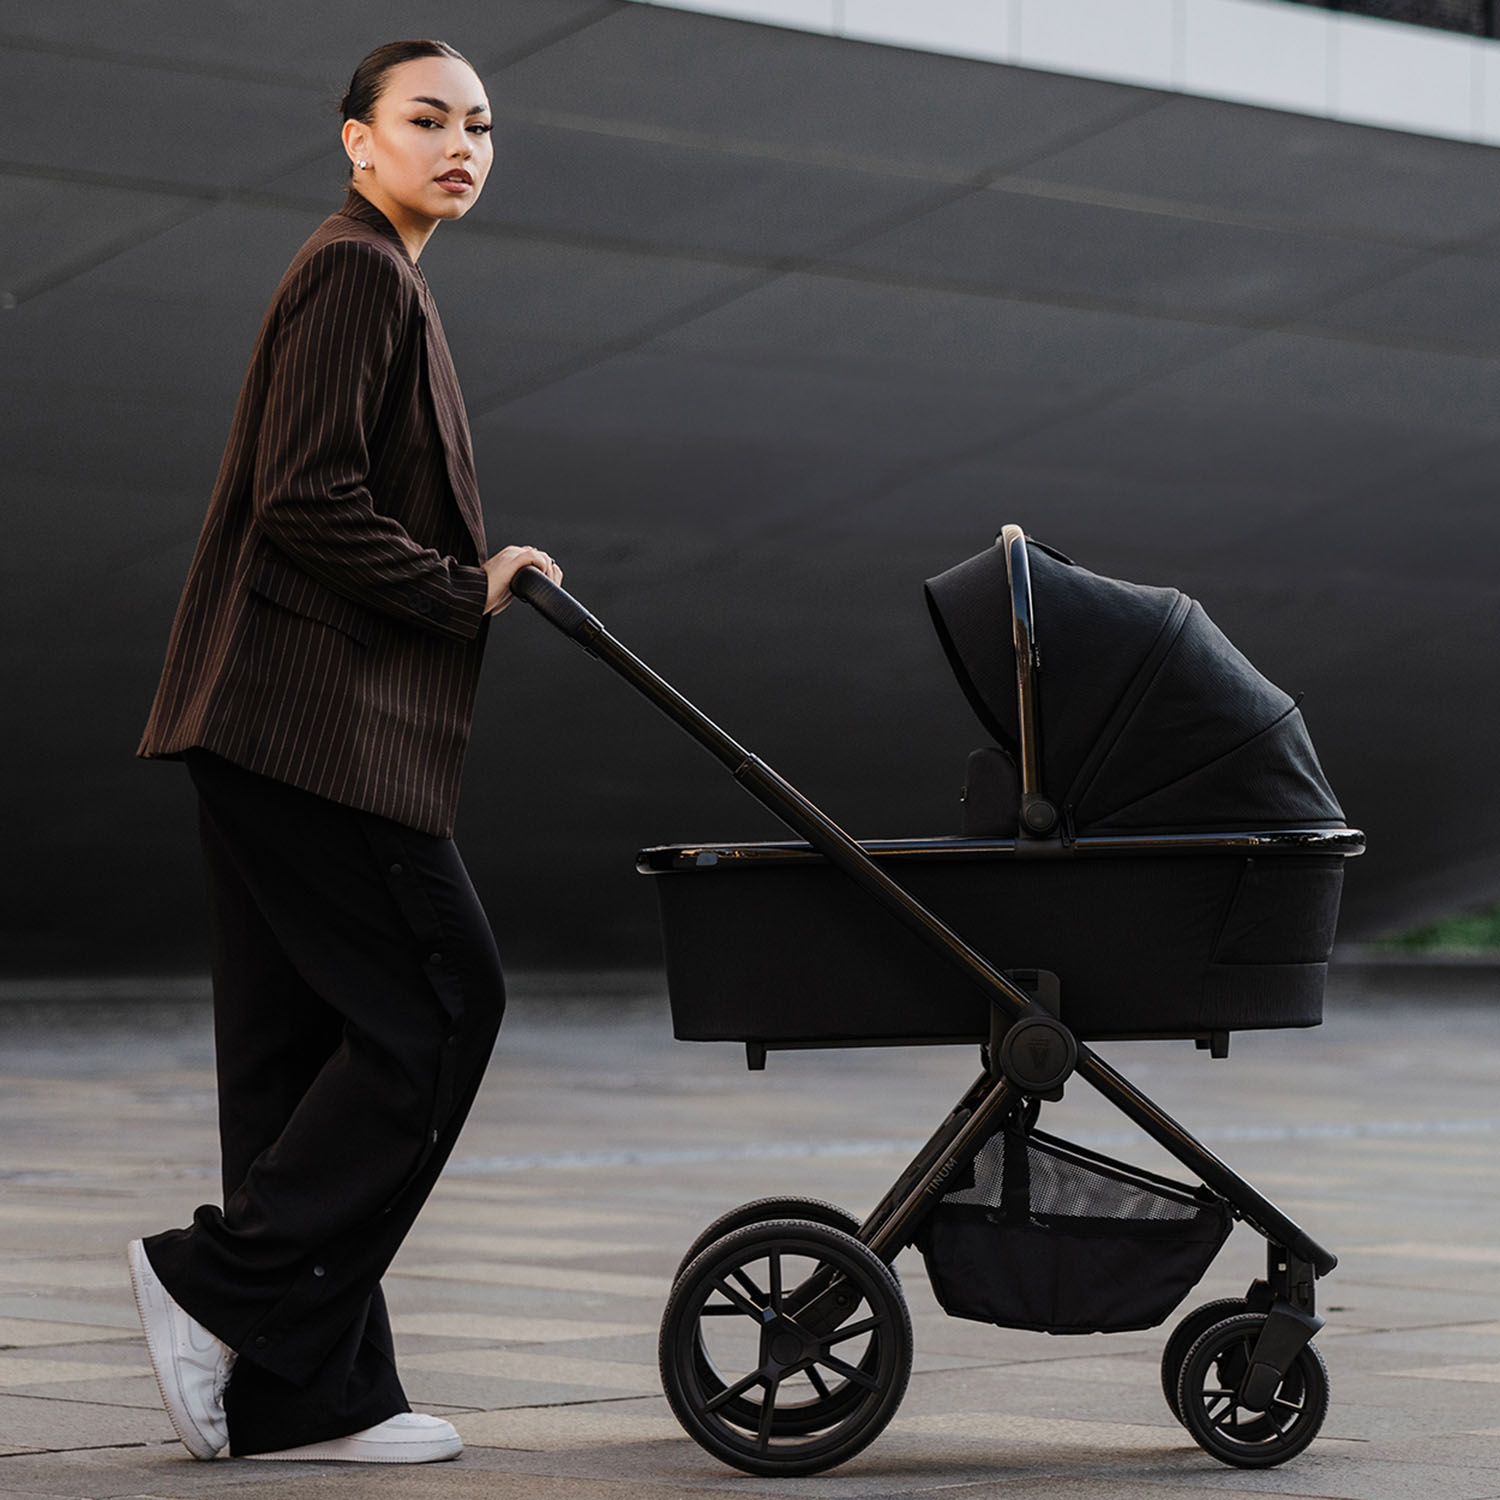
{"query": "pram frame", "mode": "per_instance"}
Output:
(1295, 1260)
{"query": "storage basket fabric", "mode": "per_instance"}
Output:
(1045, 1235)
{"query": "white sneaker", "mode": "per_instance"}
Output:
(410, 1437)
(192, 1366)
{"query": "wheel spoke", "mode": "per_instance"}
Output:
(731, 1391)
(774, 1298)
(742, 1303)
(747, 1281)
(767, 1414)
(814, 1284)
(853, 1331)
(1283, 1421)
(816, 1381)
(856, 1377)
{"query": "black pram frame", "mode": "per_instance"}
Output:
(830, 1337)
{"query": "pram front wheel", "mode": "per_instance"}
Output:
(1209, 1398)
(1184, 1336)
(785, 1347)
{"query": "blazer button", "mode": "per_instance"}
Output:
(395, 869)
(434, 958)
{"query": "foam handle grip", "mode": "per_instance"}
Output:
(554, 604)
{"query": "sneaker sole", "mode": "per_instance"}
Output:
(150, 1297)
(338, 1450)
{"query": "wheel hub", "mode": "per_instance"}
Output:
(783, 1346)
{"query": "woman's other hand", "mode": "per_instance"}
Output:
(504, 566)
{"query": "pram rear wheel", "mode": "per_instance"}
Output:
(1208, 1398)
(763, 1211)
(785, 1347)
(1184, 1336)
(817, 1411)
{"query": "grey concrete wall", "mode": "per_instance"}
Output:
(758, 330)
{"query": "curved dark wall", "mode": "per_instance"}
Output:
(759, 329)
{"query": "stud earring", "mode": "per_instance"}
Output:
(361, 165)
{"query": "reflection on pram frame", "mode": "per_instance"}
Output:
(785, 1344)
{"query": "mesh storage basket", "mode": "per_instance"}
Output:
(1043, 1234)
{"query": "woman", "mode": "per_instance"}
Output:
(319, 683)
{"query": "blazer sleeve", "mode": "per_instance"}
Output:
(343, 317)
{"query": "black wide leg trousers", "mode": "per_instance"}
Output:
(357, 996)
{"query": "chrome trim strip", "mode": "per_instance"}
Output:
(1347, 842)
(1023, 642)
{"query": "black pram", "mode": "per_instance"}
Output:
(1149, 850)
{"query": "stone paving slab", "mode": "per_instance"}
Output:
(527, 1299)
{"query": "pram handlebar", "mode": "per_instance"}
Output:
(554, 604)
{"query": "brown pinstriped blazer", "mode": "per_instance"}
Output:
(332, 624)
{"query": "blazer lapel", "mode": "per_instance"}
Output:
(453, 423)
(442, 381)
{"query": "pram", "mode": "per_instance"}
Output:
(1150, 850)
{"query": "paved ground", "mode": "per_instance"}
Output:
(527, 1299)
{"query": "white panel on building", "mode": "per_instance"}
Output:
(1134, 42)
(1244, 49)
(964, 28)
(1408, 77)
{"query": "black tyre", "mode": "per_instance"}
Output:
(817, 1411)
(785, 1347)
(763, 1211)
(1234, 1434)
(1184, 1336)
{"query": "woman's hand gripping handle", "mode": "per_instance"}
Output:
(501, 570)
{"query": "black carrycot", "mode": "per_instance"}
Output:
(1151, 827)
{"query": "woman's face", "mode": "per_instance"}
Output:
(428, 149)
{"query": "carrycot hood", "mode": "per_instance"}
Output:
(1148, 717)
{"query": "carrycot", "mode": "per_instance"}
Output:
(1151, 827)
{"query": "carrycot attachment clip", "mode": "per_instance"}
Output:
(1038, 815)
(1037, 1054)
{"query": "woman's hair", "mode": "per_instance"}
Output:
(368, 83)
